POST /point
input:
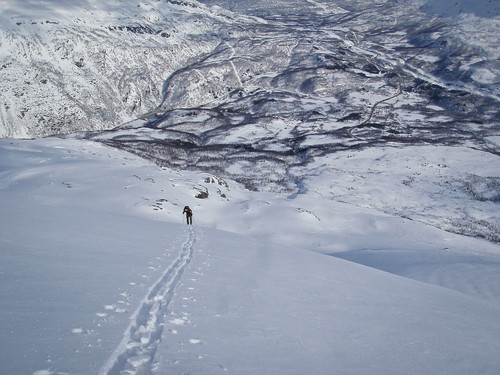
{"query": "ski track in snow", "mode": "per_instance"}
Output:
(136, 351)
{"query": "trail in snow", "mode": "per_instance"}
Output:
(136, 351)
(231, 62)
(372, 110)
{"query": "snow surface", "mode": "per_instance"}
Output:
(100, 275)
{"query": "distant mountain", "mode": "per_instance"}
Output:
(90, 65)
(291, 81)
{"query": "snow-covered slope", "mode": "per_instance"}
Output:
(99, 274)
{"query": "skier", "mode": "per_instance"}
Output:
(189, 215)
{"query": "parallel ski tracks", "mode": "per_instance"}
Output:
(135, 353)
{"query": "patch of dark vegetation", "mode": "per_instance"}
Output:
(140, 29)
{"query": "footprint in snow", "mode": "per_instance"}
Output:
(139, 360)
(115, 308)
(49, 372)
(179, 321)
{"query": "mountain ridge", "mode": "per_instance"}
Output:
(76, 68)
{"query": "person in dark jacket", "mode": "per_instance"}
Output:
(189, 215)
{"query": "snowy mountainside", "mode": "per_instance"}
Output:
(274, 93)
(305, 86)
(341, 158)
(92, 65)
(88, 66)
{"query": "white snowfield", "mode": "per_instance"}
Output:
(99, 274)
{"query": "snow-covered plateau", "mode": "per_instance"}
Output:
(342, 160)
